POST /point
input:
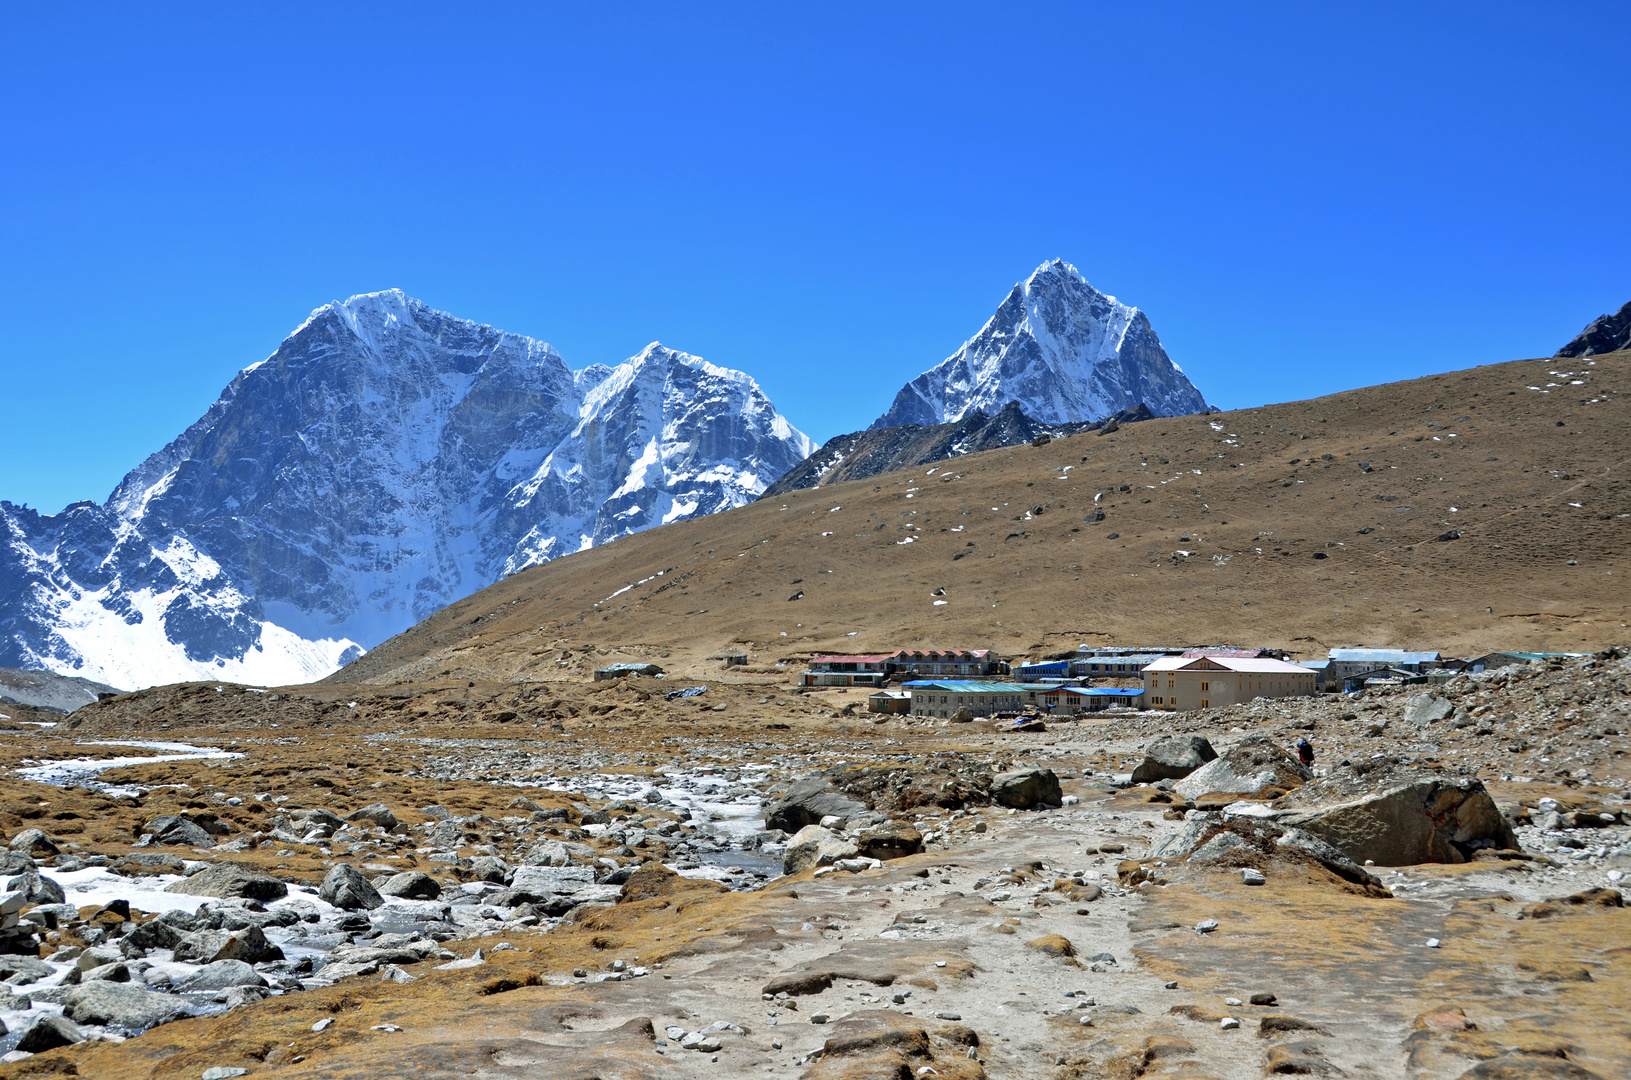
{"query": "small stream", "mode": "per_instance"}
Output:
(83, 771)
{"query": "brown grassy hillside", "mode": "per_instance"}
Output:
(1290, 542)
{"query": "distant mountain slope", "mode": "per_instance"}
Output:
(47, 690)
(386, 460)
(1606, 334)
(1449, 512)
(1064, 351)
(861, 454)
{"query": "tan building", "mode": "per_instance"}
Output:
(1177, 683)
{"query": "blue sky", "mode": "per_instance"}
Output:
(830, 197)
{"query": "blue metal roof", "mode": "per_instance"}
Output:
(1102, 691)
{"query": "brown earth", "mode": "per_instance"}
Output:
(1531, 569)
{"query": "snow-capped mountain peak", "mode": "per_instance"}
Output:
(1065, 351)
(385, 461)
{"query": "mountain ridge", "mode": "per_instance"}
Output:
(385, 460)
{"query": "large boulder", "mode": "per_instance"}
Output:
(551, 880)
(179, 829)
(208, 946)
(220, 975)
(1424, 709)
(121, 1005)
(807, 802)
(1173, 758)
(378, 813)
(1416, 817)
(229, 880)
(814, 846)
(346, 888)
(1255, 767)
(558, 853)
(1025, 789)
(33, 842)
(888, 840)
(411, 885)
(37, 889)
(47, 1033)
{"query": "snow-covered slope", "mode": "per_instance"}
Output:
(1063, 350)
(386, 460)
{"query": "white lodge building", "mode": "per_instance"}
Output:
(1178, 683)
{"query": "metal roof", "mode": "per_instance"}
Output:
(969, 686)
(1099, 691)
(1261, 665)
(1382, 656)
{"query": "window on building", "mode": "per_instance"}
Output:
(1206, 703)
(1205, 686)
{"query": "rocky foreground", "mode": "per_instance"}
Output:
(608, 883)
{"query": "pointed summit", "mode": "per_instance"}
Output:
(1065, 351)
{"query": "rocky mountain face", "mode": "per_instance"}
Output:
(1607, 333)
(386, 460)
(1064, 351)
(861, 454)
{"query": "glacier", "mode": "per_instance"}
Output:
(1065, 352)
(387, 460)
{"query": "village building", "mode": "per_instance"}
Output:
(1205, 682)
(847, 670)
(1347, 662)
(889, 701)
(945, 663)
(944, 697)
(1071, 700)
(1115, 665)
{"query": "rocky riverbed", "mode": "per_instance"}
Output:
(611, 900)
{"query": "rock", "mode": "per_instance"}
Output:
(411, 885)
(121, 1005)
(1420, 818)
(378, 813)
(346, 888)
(550, 880)
(33, 842)
(521, 802)
(814, 846)
(1025, 789)
(1255, 766)
(807, 802)
(1173, 758)
(37, 888)
(208, 946)
(1263, 999)
(229, 880)
(489, 868)
(1424, 709)
(48, 1033)
(220, 975)
(179, 829)
(223, 1072)
(16, 862)
(1249, 876)
(22, 970)
(115, 972)
(1053, 945)
(548, 853)
(1206, 926)
(890, 840)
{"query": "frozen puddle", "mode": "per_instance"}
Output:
(82, 771)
